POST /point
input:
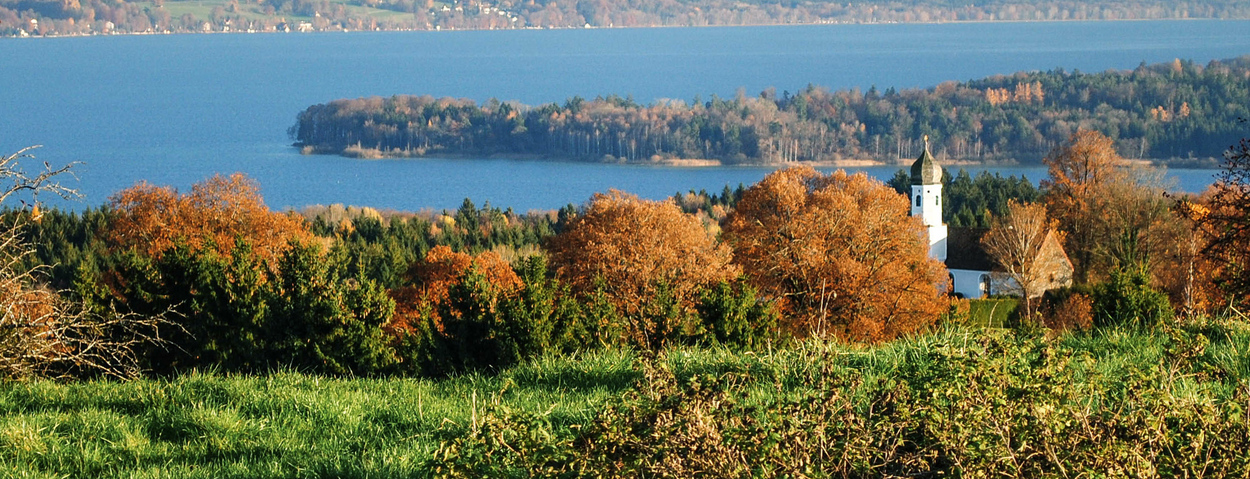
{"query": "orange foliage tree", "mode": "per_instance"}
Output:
(433, 277)
(1182, 269)
(1227, 223)
(635, 249)
(214, 215)
(841, 253)
(1097, 198)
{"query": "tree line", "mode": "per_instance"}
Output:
(211, 278)
(1179, 111)
(79, 17)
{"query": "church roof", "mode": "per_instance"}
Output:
(964, 251)
(926, 171)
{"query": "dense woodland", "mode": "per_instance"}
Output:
(1179, 111)
(227, 283)
(79, 17)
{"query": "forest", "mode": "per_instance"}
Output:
(1179, 112)
(245, 289)
(199, 333)
(86, 17)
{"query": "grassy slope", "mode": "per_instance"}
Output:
(201, 9)
(292, 425)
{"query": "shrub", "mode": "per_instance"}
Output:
(731, 314)
(1074, 311)
(1127, 299)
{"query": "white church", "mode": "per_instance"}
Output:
(973, 274)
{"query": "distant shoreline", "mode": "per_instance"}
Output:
(614, 27)
(1185, 164)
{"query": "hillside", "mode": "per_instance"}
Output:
(86, 17)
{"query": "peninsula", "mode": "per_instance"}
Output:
(1178, 112)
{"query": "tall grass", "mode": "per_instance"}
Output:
(296, 425)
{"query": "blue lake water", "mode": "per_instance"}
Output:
(173, 110)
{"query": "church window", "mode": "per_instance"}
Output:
(917, 200)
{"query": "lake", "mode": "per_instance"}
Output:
(174, 109)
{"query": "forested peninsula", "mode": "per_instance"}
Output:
(1178, 112)
(92, 17)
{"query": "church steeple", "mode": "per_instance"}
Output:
(926, 199)
(926, 171)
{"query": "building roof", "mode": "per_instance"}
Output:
(926, 170)
(964, 251)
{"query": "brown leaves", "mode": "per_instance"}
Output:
(840, 252)
(217, 212)
(433, 277)
(1097, 198)
(633, 245)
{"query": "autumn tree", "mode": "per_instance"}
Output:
(637, 252)
(1096, 198)
(1182, 269)
(432, 278)
(216, 213)
(44, 332)
(1025, 244)
(840, 252)
(1227, 220)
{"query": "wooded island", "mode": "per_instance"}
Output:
(1177, 112)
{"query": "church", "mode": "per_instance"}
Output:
(973, 273)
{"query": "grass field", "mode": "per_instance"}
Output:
(202, 9)
(290, 425)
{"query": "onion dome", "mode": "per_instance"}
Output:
(926, 171)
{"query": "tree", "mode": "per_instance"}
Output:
(433, 278)
(217, 212)
(840, 253)
(1182, 269)
(1096, 197)
(1025, 245)
(323, 322)
(1081, 171)
(632, 250)
(42, 332)
(1227, 221)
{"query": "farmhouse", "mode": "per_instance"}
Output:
(973, 273)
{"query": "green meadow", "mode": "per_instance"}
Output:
(961, 401)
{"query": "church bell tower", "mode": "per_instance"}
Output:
(926, 200)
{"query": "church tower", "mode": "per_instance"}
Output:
(926, 200)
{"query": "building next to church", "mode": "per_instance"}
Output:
(973, 273)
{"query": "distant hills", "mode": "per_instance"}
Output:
(1179, 111)
(85, 17)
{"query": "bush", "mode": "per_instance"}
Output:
(1126, 299)
(1067, 310)
(967, 404)
(732, 315)
(482, 325)
(993, 312)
